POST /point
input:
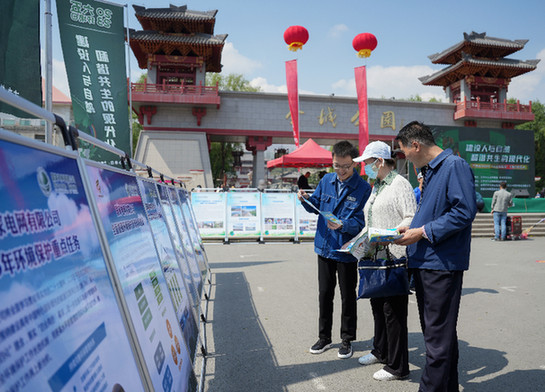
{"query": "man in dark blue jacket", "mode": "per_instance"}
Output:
(438, 246)
(343, 194)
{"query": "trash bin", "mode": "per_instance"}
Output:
(514, 227)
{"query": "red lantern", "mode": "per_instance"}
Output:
(364, 44)
(295, 37)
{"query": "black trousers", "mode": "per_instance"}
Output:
(328, 270)
(390, 343)
(438, 294)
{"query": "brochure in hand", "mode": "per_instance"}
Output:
(360, 244)
(328, 215)
(383, 235)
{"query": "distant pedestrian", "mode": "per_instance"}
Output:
(418, 189)
(302, 182)
(501, 201)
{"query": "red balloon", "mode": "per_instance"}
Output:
(364, 44)
(296, 37)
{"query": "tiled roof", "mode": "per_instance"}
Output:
(196, 38)
(174, 12)
(512, 66)
(502, 47)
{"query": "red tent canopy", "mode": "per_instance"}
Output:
(309, 154)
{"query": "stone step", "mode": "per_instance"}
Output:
(483, 225)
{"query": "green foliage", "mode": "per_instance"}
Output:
(221, 160)
(231, 82)
(415, 98)
(136, 126)
(538, 126)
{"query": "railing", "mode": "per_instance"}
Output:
(494, 106)
(164, 88)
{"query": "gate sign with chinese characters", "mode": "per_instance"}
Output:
(92, 40)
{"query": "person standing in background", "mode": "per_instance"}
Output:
(501, 201)
(302, 182)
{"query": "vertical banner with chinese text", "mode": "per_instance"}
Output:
(361, 90)
(293, 97)
(92, 40)
(20, 52)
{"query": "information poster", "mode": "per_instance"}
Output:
(278, 211)
(243, 214)
(495, 155)
(193, 233)
(209, 210)
(306, 221)
(60, 324)
(169, 264)
(133, 251)
(186, 241)
(183, 262)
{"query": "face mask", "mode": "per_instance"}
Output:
(371, 170)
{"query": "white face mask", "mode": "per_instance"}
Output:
(372, 170)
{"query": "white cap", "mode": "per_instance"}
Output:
(375, 150)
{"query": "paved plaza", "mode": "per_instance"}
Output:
(262, 319)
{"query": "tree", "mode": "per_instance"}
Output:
(136, 126)
(231, 82)
(538, 126)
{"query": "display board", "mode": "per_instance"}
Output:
(139, 271)
(278, 214)
(186, 241)
(193, 232)
(61, 328)
(307, 222)
(243, 214)
(169, 263)
(495, 155)
(209, 208)
(183, 263)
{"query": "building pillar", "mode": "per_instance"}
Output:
(448, 93)
(502, 95)
(465, 91)
(257, 145)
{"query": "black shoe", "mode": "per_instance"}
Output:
(320, 346)
(345, 351)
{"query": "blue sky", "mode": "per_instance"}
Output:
(407, 33)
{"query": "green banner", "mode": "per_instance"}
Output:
(495, 155)
(92, 39)
(20, 52)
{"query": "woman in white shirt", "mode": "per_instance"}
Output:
(391, 205)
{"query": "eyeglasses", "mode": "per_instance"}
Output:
(343, 167)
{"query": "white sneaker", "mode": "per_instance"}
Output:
(383, 375)
(368, 359)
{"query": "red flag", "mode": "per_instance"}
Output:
(361, 90)
(293, 97)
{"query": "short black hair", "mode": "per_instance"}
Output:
(416, 131)
(503, 185)
(344, 149)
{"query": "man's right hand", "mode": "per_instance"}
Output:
(302, 194)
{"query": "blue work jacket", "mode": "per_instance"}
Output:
(348, 207)
(446, 210)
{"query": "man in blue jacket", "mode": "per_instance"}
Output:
(343, 194)
(438, 245)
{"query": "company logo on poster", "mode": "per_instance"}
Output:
(43, 181)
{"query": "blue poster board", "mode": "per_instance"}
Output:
(278, 214)
(169, 263)
(140, 274)
(307, 222)
(61, 328)
(243, 214)
(209, 208)
(186, 241)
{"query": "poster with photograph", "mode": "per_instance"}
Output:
(278, 211)
(143, 283)
(61, 328)
(187, 242)
(209, 208)
(169, 263)
(244, 214)
(306, 221)
(183, 262)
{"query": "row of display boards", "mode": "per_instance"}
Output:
(242, 214)
(103, 276)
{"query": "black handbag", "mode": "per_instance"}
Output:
(383, 277)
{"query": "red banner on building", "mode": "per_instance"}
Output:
(293, 97)
(361, 90)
